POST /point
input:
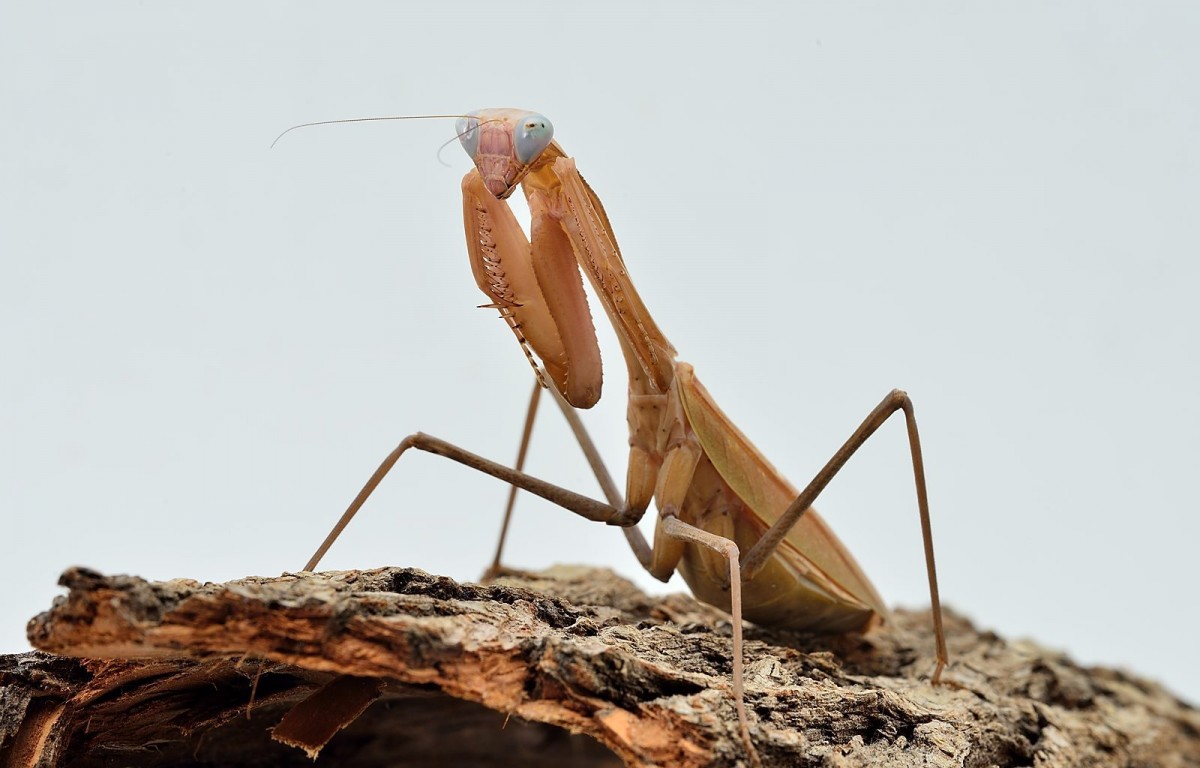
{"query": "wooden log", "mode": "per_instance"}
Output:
(573, 666)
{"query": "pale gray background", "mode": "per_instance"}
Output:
(207, 345)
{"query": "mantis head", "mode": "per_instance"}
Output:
(504, 144)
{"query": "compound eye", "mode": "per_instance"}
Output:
(467, 129)
(531, 137)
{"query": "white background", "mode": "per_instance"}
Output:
(207, 345)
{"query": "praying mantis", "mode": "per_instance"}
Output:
(741, 536)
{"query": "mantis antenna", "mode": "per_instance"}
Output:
(367, 120)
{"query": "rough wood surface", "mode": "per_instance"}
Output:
(397, 667)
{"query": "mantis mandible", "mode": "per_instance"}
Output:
(742, 537)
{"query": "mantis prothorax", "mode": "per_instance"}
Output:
(742, 537)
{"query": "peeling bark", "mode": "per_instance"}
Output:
(571, 666)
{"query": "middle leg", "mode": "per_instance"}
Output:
(579, 504)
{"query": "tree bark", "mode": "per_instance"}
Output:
(572, 666)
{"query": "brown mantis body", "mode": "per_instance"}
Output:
(741, 536)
